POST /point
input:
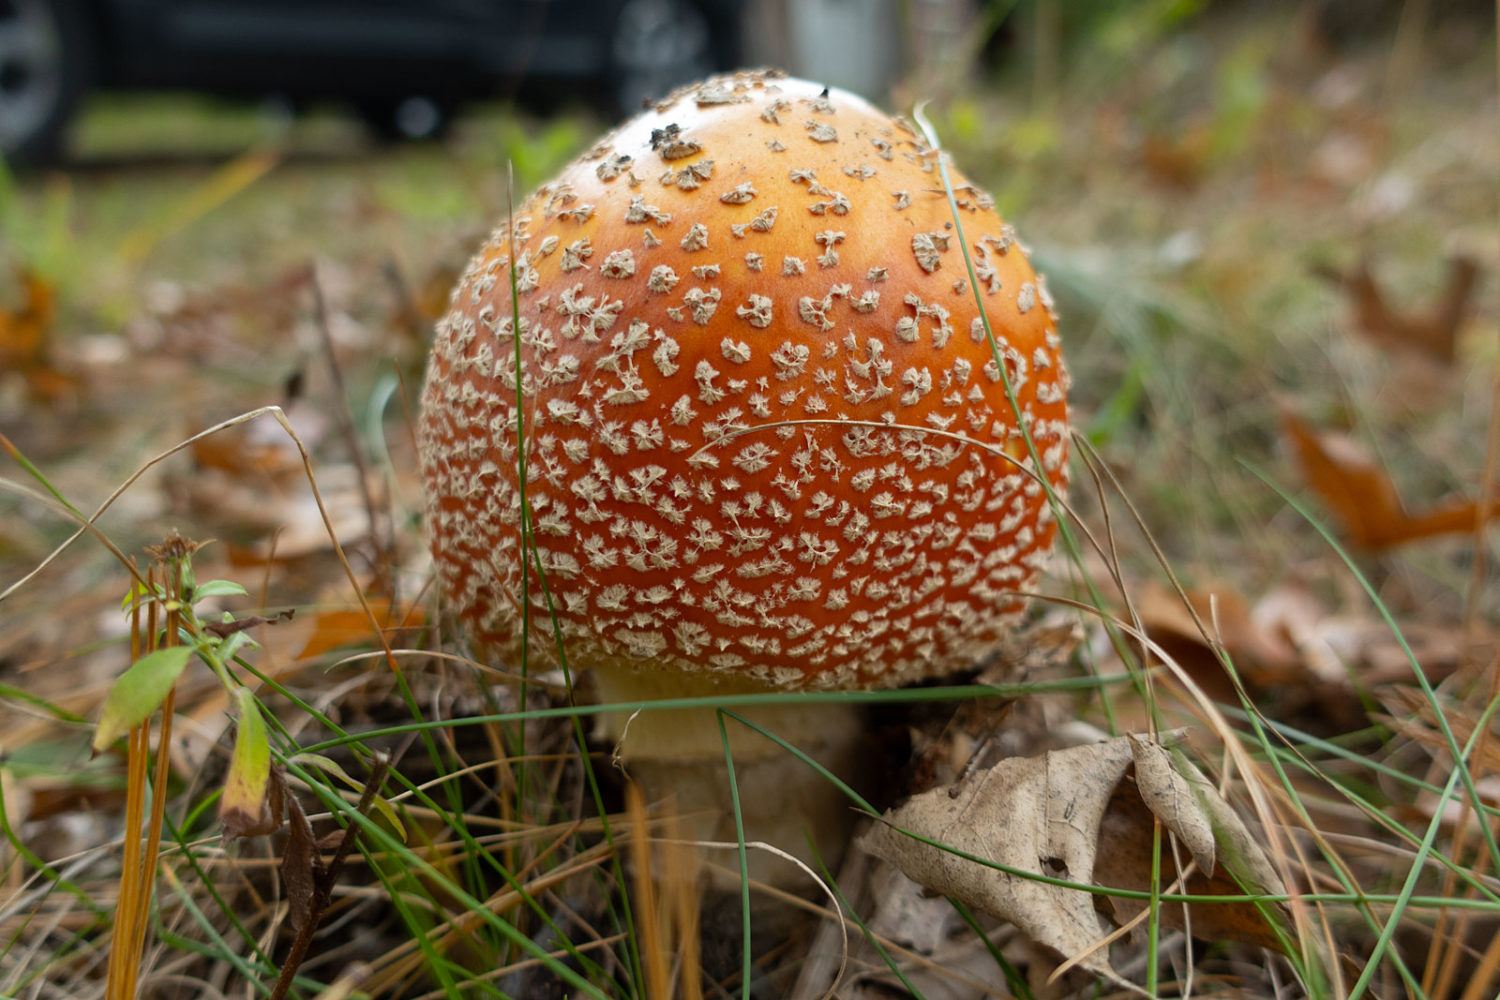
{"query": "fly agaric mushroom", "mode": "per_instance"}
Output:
(768, 442)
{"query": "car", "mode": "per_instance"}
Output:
(404, 65)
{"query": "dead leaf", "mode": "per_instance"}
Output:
(1413, 716)
(351, 626)
(26, 337)
(1432, 332)
(1362, 497)
(1177, 161)
(285, 523)
(1127, 829)
(261, 449)
(1261, 655)
(1191, 807)
(1385, 658)
(226, 629)
(24, 329)
(300, 868)
(1292, 614)
(1034, 815)
(1043, 816)
(909, 915)
(1290, 647)
(1289, 638)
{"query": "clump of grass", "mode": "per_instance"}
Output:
(442, 883)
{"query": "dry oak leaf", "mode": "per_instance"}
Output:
(1204, 822)
(1432, 332)
(24, 329)
(1042, 816)
(1191, 626)
(26, 337)
(341, 627)
(1178, 161)
(1362, 497)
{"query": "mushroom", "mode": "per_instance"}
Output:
(769, 445)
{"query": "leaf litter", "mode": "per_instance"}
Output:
(1038, 818)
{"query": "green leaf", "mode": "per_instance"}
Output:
(218, 588)
(138, 693)
(137, 593)
(244, 809)
(230, 648)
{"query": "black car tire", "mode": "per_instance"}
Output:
(656, 46)
(46, 60)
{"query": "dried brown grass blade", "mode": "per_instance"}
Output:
(655, 965)
(142, 840)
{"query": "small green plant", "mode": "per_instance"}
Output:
(254, 799)
(165, 634)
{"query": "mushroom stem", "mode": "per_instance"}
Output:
(783, 800)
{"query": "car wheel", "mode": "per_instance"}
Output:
(657, 45)
(45, 48)
(406, 119)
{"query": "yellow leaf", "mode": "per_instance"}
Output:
(245, 808)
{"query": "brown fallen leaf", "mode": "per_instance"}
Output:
(260, 450)
(229, 324)
(1201, 819)
(1294, 616)
(351, 626)
(26, 337)
(1261, 655)
(1362, 497)
(1177, 161)
(1432, 332)
(1043, 816)
(300, 866)
(1410, 714)
(24, 328)
(281, 524)
(1289, 646)
(1440, 648)
(228, 628)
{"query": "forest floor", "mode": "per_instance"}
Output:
(1274, 251)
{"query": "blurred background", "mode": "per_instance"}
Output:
(407, 69)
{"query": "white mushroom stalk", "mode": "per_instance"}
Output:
(680, 753)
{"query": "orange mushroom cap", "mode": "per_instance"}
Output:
(765, 432)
